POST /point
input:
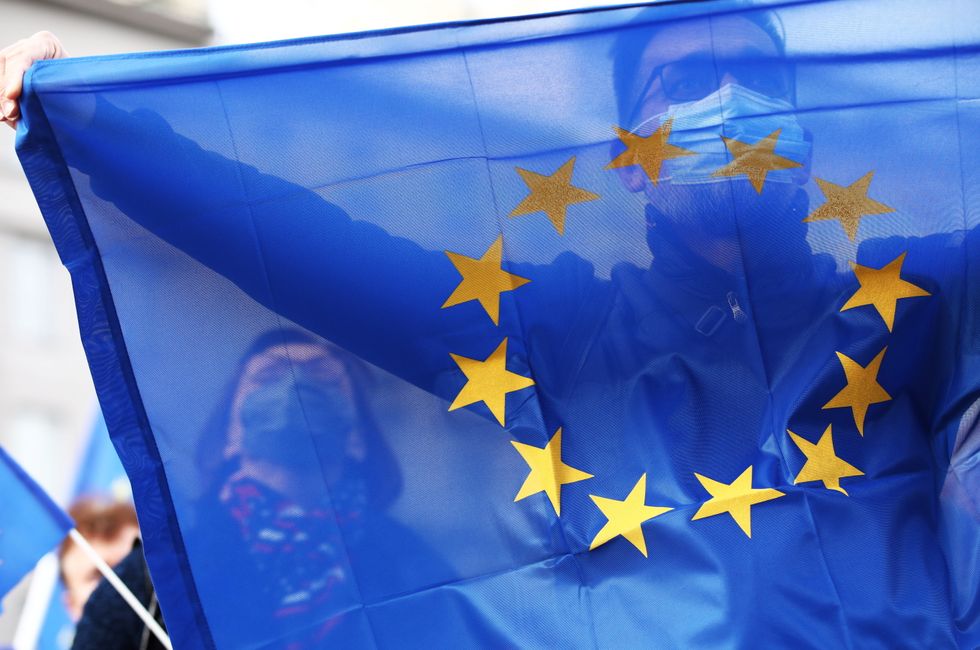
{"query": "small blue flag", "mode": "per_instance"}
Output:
(100, 473)
(645, 326)
(30, 523)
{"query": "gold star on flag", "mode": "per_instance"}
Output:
(552, 194)
(626, 517)
(483, 280)
(649, 152)
(862, 389)
(755, 160)
(736, 498)
(488, 381)
(847, 204)
(548, 472)
(882, 288)
(822, 463)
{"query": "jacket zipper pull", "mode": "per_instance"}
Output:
(737, 312)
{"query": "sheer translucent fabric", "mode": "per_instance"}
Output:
(651, 326)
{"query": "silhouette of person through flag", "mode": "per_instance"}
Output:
(489, 372)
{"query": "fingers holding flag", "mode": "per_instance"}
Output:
(15, 60)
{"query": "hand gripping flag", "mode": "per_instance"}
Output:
(30, 523)
(649, 326)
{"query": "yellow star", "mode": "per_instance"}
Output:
(488, 381)
(862, 389)
(483, 280)
(755, 160)
(626, 517)
(822, 463)
(548, 472)
(847, 204)
(649, 152)
(736, 499)
(552, 194)
(882, 288)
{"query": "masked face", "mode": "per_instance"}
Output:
(734, 112)
(691, 194)
(297, 415)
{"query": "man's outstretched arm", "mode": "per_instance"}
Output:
(346, 279)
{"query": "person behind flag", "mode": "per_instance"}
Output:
(693, 296)
(604, 351)
(294, 396)
(103, 619)
(111, 528)
(107, 622)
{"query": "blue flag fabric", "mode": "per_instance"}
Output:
(652, 326)
(30, 523)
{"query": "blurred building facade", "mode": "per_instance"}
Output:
(260, 20)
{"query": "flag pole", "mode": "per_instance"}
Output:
(121, 588)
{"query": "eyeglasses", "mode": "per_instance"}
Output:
(695, 78)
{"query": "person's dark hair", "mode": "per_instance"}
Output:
(98, 519)
(216, 468)
(627, 51)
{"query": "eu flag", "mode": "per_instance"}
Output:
(648, 326)
(30, 523)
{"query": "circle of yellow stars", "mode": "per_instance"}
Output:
(483, 279)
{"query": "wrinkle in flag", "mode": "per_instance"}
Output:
(645, 326)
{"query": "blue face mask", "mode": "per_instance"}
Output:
(735, 112)
(297, 415)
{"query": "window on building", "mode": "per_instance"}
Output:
(31, 438)
(30, 303)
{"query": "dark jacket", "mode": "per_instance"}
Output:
(108, 623)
